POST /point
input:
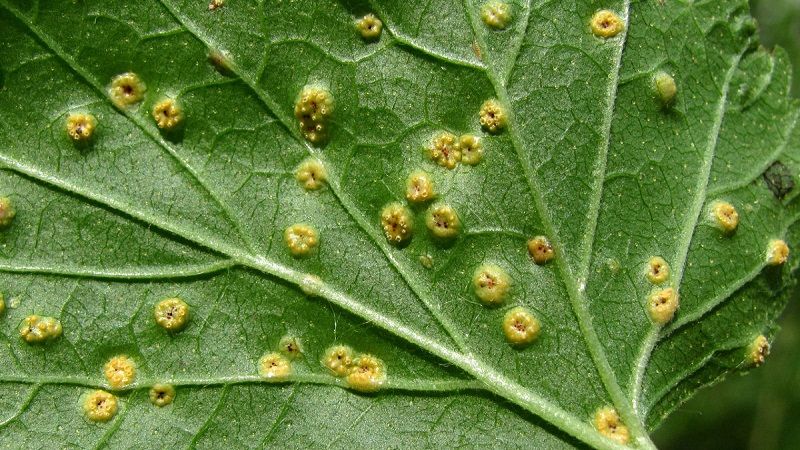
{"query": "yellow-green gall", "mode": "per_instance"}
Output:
(520, 326)
(290, 346)
(609, 424)
(80, 127)
(665, 87)
(662, 305)
(120, 372)
(162, 394)
(100, 406)
(777, 252)
(397, 223)
(338, 359)
(540, 250)
(168, 114)
(37, 329)
(274, 367)
(369, 27)
(300, 239)
(2, 303)
(757, 351)
(126, 90)
(419, 187)
(426, 261)
(496, 14)
(7, 211)
(657, 270)
(172, 313)
(606, 24)
(313, 110)
(471, 149)
(443, 221)
(444, 150)
(311, 285)
(724, 216)
(311, 174)
(367, 374)
(491, 284)
(493, 116)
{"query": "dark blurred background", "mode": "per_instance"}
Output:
(761, 410)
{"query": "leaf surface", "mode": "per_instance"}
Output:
(589, 158)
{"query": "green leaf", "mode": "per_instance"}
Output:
(590, 158)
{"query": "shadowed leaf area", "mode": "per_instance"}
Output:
(447, 224)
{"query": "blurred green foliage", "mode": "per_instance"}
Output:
(779, 24)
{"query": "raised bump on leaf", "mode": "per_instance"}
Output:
(444, 150)
(311, 174)
(168, 114)
(369, 27)
(493, 116)
(496, 15)
(724, 216)
(290, 346)
(214, 5)
(126, 90)
(777, 252)
(426, 261)
(313, 110)
(419, 187)
(657, 270)
(162, 394)
(443, 221)
(662, 305)
(119, 372)
(757, 351)
(2, 303)
(609, 424)
(338, 359)
(540, 249)
(38, 329)
(221, 60)
(300, 239)
(665, 87)
(397, 223)
(606, 24)
(491, 284)
(171, 313)
(471, 149)
(520, 326)
(367, 374)
(7, 211)
(273, 367)
(80, 127)
(311, 284)
(100, 406)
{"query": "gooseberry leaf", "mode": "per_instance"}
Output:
(592, 156)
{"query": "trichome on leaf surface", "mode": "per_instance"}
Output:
(316, 223)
